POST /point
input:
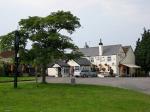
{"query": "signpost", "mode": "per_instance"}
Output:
(16, 57)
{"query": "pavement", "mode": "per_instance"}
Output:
(137, 84)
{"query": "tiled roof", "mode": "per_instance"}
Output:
(107, 50)
(60, 63)
(7, 54)
(83, 62)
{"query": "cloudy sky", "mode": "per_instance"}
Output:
(115, 21)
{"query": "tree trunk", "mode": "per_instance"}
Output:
(36, 75)
(146, 73)
(44, 74)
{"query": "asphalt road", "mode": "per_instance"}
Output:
(137, 84)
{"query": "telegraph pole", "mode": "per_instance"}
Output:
(16, 57)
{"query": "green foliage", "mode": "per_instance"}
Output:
(46, 35)
(44, 32)
(73, 55)
(142, 51)
(7, 41)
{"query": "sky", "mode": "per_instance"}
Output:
(115, 21)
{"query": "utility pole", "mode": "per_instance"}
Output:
(16, 57)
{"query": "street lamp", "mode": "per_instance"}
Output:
(16, 57)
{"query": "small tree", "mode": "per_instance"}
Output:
(142, 51)
(46, 35)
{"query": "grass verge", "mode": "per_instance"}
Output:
(10, 79)
(70, 98)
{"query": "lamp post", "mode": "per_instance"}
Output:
(16, 57)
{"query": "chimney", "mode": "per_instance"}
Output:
(86, 45)
(100, 48)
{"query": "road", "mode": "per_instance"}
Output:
(137, 84)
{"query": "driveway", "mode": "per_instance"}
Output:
(138, 84)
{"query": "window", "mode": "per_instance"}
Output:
(84, 68)
(102, 59)
(97, 57)
(92, 59)
(113, 64)
(66, 70)
(109, 58)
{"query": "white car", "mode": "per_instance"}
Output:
(77, 73)
(100, 75)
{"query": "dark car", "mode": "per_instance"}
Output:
(88, 73)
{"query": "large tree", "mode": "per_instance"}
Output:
(46, 35)
(142, 51)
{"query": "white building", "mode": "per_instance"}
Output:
(120, 59)
(58, 69)
(63, 69)
(80, 64)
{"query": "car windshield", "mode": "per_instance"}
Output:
(85, 71)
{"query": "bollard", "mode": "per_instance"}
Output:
(73, 81)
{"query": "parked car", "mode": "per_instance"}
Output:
(85, 73)
(100, 75)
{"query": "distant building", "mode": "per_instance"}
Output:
(58, 69)
(80, 64)
(63, 69)
(120, 59)
(6, 56)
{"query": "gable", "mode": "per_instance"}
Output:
(130, 57)
(56, 65)
(121, 54)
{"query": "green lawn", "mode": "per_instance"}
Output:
(2, 79)
(70, 98)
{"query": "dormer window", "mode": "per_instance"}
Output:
(109, 58)
(102, 59)
(92, 59)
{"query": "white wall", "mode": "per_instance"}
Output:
(103, 60)
(115, 60)
(119, 57)
(96, 59)
(53, 72)
(112, 63)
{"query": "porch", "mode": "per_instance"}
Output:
(129, 70)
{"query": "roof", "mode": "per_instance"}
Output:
(7, 54)
(60, 63)
(126, 48)
(131, 66)
(83, 62)
(107, 50)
